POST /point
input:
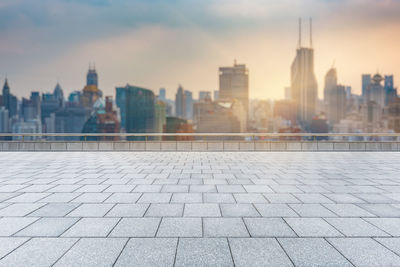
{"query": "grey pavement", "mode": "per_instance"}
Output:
(199, 209)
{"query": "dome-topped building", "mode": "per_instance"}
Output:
(91, 92)
(377, 79)
(376, 92)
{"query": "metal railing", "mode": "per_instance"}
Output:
(204, 136)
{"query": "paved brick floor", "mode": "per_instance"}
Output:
(212, 209)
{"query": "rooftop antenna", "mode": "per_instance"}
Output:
(310, 32)
(299, 32)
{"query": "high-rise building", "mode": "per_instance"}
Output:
(365, 82)
(203, 95)
(9, 101)
(220, 116)
(180, 103)
(188, 105)
(92, 77)
(4, 120)
(178, 125)
(120, 93)
(139, 106)
(304, 88)
(160, 116)
(162, 95)
(103, 120)
(234, 84)
(390, 91)
(71, 119)
(334, 98)
(394, 115)
(216, 95)
(50, 103)
(6, 95)
(348, 92)
(375, 91)
(91, 91)
(288, 93)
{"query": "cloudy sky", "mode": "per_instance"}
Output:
(163, 43)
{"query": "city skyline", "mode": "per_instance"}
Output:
(165, 48)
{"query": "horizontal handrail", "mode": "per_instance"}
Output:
(200, 134)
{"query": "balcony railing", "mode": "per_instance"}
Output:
(200, 142)
(200, 136)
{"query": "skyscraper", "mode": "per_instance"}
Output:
(304, 88)
(162, 95)
(6, 95)
(203, 95)
(390, 91)
(334, 98)
(139, 109)
(376, 91)
(234, 84)
(180, 103)
(91, 77)
(365, 82)
(188, 105)
(4, 120)
(91, 91)
(120, 93)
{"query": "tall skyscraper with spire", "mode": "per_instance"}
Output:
(304, 88)
(91, 77)
(6, 95)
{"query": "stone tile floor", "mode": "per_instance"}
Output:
(204, 208)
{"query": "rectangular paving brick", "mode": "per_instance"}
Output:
(365, 252)
(136, 227)
(93, 252)
(180, 227)
(312, 227)
(224, 227)
(148, 252)
(91, 227)
(203, 252)
(38, 252)
(312, 252)
(258, 252)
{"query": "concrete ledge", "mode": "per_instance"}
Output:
(373, 146)
(153, 146)
(341, 146)
(293, 146)
(90, 146)
(58, 146)
(278, 146)
(325, 146)
(198, 146)
(246, 146)
(309, 146)
(25, 146)
(215, 146)
(75, 146)
(184, 146)
(137, 146)
(231, 146)
(389, 146)
(42, 146)
(168, 146)
(357, 146)
(262, 146)
(121, 146)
